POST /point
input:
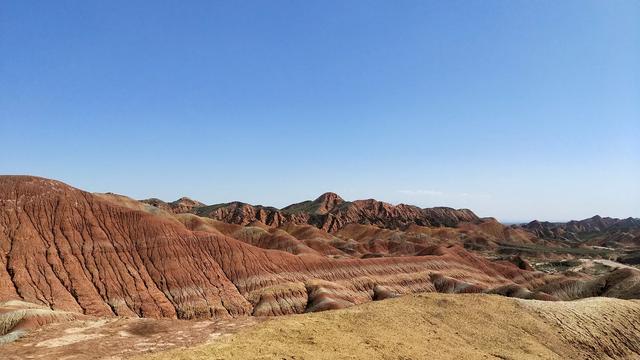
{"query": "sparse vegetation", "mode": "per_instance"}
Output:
(436, 326)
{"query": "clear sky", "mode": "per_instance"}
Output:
(515, 109)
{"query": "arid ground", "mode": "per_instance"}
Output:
(442, 326)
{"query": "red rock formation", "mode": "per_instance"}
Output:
(242, 214)
(71, 250)
(180, 206)
(18, 317)
(594, 231)
(331, 213)
(322, 205)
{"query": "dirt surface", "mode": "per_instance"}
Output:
(439, 326)
(603, 327)
(117, 338)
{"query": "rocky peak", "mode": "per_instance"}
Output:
(182, 205)
(155, 202)
(185, 201)
(327, 201)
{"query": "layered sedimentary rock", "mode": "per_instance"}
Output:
(71, 250)
(328, 212)
(180, 206)
(109, 255)
(19, 317)
(597, 230)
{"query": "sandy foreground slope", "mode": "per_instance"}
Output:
(440, 326)
(423, 326)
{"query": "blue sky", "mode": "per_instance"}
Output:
(515, 109)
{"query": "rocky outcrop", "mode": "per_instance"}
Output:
(180, 206)
(597, 230)
(321, 206)
(590, 225)
(331, 213)
(242, 214)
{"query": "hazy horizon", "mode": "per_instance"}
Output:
(517, 110)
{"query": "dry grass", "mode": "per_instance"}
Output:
(439, 326)
(612, 326)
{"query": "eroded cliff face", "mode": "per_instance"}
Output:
(71, 250)
(107, 255)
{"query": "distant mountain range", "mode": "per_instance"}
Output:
(597, 230)
(328, 212)
(331, 213)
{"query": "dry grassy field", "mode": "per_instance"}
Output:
(440, 326)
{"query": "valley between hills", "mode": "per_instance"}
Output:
(101, 275)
